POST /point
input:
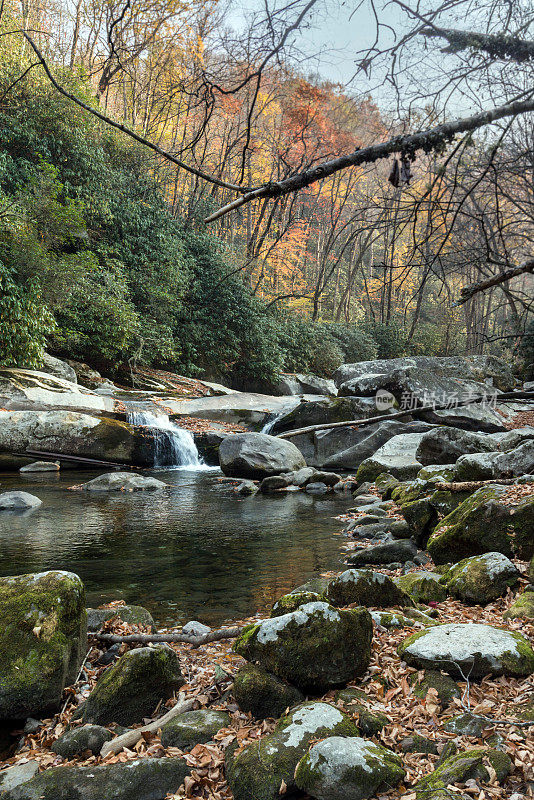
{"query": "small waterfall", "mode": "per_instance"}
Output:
(272, 419)
(173, 446)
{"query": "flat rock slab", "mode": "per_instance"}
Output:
(472, 650)
(18, 500)
(41, 466)
(123, 482)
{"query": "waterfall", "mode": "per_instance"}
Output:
(173, 446)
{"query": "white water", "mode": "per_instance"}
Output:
(173, 446)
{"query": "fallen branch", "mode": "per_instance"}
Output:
(130, 738)
(469, 291)
(148, 638)
(471, 486)
(496, 45)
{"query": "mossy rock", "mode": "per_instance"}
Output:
(447, 689)
(142, 779)
(446, 502)
(193, 727)
(370, 722)
(469, 765)
(367, 588)
(481, 579)
(132, 688)
(315, 647)
(407, 492)
(484, 524)
(78, 740)
(263, 694)
(385, 483)
(131, 615)
(290, 602)
(317, 585)
(435, 473)
(418, 744)
(421, 516)
(258, 771)
(43, 641)
(522, 607)
(390, 619)
(469, 649)
(338, 768)
(467, 724)
(422, 587)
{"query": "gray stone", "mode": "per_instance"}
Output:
(397, 457)
(303, 476)
(365, 500)
(257, 455)
(132, 615)
(484, 466)
(263, 694)
(330, 478)
(316, 488)
(418, 744)
(274, 482)
(366, 588)
(194, 628)
(423, 587)
(346, 448)
(123, 482)
(291, 384)
(60, 369)
(467, 724)
(18, 774)
(41, 466)
(142, 779)
(399, 550)
(246, 488)
(76, 741)
(469, 649)
(339, 768)
(193, 727)
(445, 445)
(34, 390)
(481, 579)
(18, 501)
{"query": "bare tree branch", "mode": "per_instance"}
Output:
(468, 291)
(497, 46)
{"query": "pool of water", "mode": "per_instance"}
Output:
(195, 550)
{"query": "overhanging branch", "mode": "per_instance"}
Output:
(469, 291)
(496, 46)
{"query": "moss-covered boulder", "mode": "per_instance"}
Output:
(370, 721)
(522, 607)
(467, 724)
(421, 516)
(263, 694)
(257, 772)
(193, 727)
(78, 740)
(43, 640)
(132, 688)
(340, 768)
(367, 588)
(290, 602)
(469, 649)
(485, 466)
(315, 648)
(385, 483)
(481, 579)
(446, 502)
(418, 744)
(142, 779)
(490, 520)
(446, 688)
(422, 587)
(132, 615)
(471, 764)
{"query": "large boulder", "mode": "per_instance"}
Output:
(481, 579)
(258, 771)
(348, 768)
(492, 519)
(322, 411)
(296, 383)
(132, 688)
(30, 389)
(43, 640)
(193, 727)
(365, 588)
(315, 647)
(263, 694)
(485, 466)
(444, 445)
(422, 587)
(256, 455)
(397, 457)
(469, 649)
(71, 433)
(60, 369)
(400, 550)
(143, 779)
(123, 482)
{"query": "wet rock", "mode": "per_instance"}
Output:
(467, 724)
(481, 579)
(18, 501)
(193, 727)
(143, 779)
(258, 455)
(329, 478)
(132, 688)
(132, 615)
(399, 550)
(78, 740)
(123, 482)
(469, 649)
(258, 771)
(348, 769)
(365, 500)
(274, 482)
(316, 488)
(303, 476)
(43, 640)
(423, 587)
(41, 466)
(246, 488)
(263, 694)
(315, 647)
(385, 483)
(366, 588)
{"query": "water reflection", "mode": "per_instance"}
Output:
(195, 550)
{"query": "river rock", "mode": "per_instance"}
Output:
(258, 771)
(481, 579)
(469, 649)
(445, 445)
(263, 694)
(323, 410)
(142, 779)
(401, 550)
(18, 501)
(365, 588)
(484, 466)
(123, 482)
(41, 466)
(339, 768)
(43, 640)
(257, 455)
(19, 773)
(296, 383)
(132, 615)
(133, 686)
(397, 457)
(290, 602)
(76, 741)
(193, 727)
(316, 488)
(522, 607)
(61, 369)
(468, 765)
(315, 647)
(346, 448)
(423, 587)
(194, 628)
(490, 520)
(34, 390)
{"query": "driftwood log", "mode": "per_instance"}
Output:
(471, 486)
(148, 638)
